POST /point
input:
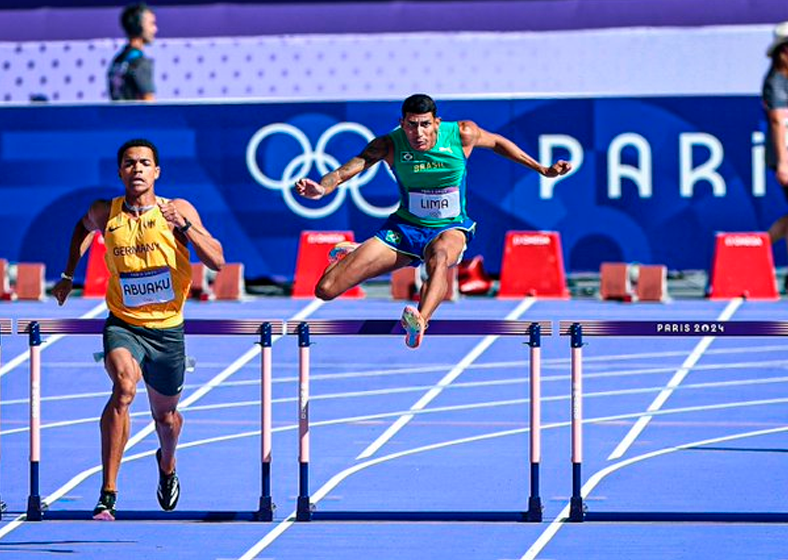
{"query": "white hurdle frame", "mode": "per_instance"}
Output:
(306, 511)
(34, 328)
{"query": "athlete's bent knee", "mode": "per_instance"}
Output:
(324, 290)
(123, 393)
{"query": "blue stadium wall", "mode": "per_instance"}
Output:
(654, 179)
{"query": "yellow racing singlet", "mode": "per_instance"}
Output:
(150, 273)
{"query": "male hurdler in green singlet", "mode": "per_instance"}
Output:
(429, 159)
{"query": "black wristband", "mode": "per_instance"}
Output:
(185, 227)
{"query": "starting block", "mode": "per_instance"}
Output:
(5, 286)
(97, 274)
(473, 279)
(312, 260)
(200, 288)
(30, 281)
(533, 265)
(652, 283)
(743, 267)
(614, 282)
(406, 283)
(229, 282)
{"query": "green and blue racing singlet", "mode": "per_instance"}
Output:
(432, 183)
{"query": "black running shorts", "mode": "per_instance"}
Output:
(161, 353)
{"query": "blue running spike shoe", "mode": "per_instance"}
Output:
(105, 508)
(341, 250)
(414, 325)
(169, 489)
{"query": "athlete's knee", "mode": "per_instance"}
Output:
(439, 258)
(123, 392)
(325, 289)
(167, 418)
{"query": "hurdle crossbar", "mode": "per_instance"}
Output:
(6, 327)
(35, 328)
(367, 327)
(533, 330)
(577, 330)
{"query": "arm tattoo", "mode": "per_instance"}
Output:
(375, 151)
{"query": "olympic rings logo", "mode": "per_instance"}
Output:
(301, 165)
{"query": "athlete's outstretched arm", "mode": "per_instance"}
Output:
(473, 135)
(377, 150)
(94, 220)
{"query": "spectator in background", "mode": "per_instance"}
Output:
(775, 103)
(130, 76)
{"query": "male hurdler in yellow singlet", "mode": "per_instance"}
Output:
(147, 240)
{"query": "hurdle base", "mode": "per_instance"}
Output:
(576, 509)
(534, 509)
(304, 509)
(34, 509)
(456, 516)
(266, 509)
(692, 517)
(155, 515)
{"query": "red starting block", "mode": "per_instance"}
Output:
(229, 282)
(472, 278)
(312, 260)
(30, 281)
(652, 283)
(614, 282)
(5, 286)
(406, 284)
(743, 267)
(97, 275)
(533, 265)
(200, 288)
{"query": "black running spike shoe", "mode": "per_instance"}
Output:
(105, 508)
(169, 489)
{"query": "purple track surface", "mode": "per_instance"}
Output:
(673, 424)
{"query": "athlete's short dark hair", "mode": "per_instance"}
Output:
(131, 19)
(138, 143)
(418, 104)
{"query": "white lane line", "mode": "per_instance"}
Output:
(430, 395)
(148, 429)
(563, 518)
(270, 537)
(467, 407)
(24, 356)
(678, 377)
(760, 364)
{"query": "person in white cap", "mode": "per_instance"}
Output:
(775, 102)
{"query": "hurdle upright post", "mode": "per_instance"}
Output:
(535, 343)
(266, 510)
(304, 507)
(5, 328)
(34, 511)
(576, 509)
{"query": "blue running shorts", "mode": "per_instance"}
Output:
(411, 239)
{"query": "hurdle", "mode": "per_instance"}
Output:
(576, 330)
(6, 327)
(533, 330)
(34, 328)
